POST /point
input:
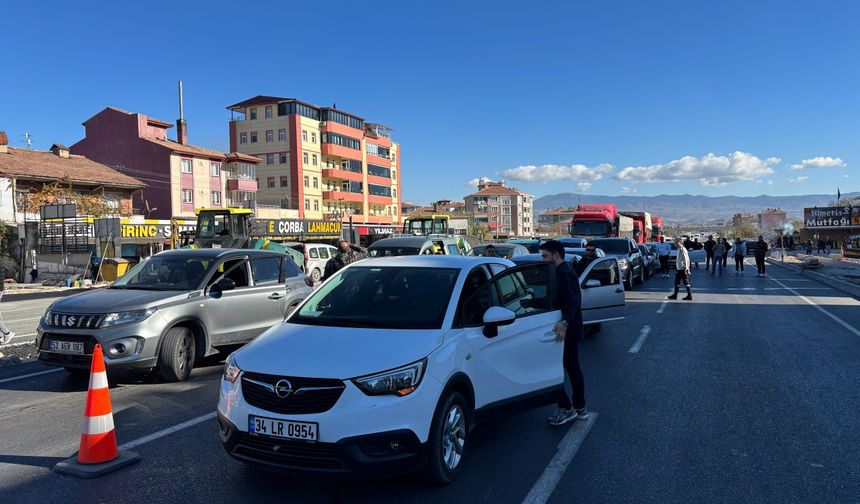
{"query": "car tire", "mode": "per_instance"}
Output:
(316, 275)
(177, 354)
(450, 429)
(628, 282)
(642, 276)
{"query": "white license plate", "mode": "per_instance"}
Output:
(303, 431)
(69, 347)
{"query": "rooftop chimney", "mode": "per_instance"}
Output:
(181, 125)
(60, 150)
(4, 143)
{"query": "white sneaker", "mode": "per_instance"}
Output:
(6, 338)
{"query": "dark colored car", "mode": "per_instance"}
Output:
(629, 258)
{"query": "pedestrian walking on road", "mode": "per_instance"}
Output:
(739, 250)
(821, 247)
(664, 250)
(808, 247)
(5, 334)
(569, 330)
(709, 251)
(725, 253)
(719, 250)
(682, 271)
(760, 253)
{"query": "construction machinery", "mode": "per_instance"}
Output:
(423, 225)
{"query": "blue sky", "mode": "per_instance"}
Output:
(615, 97)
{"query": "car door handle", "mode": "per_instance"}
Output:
(619, 290)
(548, 337)
(275, 296)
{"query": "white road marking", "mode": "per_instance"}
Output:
(165, 432)
(643, 335)
(836, 319)
(22, 377)
(567, 448)
(662, 306)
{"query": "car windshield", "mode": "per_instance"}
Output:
(590, 228)
(392, 251)
(501, 251)
(381, 297)
(611, 246)
(166, 272)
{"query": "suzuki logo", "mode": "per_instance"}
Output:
(71, 320)
(283, 389)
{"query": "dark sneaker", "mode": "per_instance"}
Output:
(582, 414)
(687, 298)
(562, 416)
(673, 296)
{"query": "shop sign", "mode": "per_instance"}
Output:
(831, 217)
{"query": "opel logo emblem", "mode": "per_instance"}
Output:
(283, 389)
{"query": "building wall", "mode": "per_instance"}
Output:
(8, 213)
(311, 147)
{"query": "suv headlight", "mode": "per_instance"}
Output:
(231, 370)
(400, 382)
(622, 261)
(117, 318)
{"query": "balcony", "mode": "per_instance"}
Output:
(379, 200)
(340, 173)
(342, 129)
(344, 195)
(330, 149)
(379, 160)
(241, 185)
(383, 181)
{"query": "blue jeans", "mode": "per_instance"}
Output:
(717, 262)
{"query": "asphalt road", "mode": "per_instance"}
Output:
(745, 394)
(21, 314)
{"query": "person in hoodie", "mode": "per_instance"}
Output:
(739, 250)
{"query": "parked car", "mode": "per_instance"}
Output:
(173, 309)
(505, 250)
(413, 245)
(388, 365)
(629, 258)
(316, 255)
(573, 241)
(532, 244)
(581, 251)
(652, 261)
(696, 256)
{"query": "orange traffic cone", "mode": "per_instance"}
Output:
(98, 452)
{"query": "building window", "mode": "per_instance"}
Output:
(216, 198)
(187, 196)
(316, 183)
(253, 137)
(215, 169)
(393, 174)
(270, 182)
(270, 136)
(305, 158)
(307, 204)
(394, 193)
(304, 135)
(243, 138)
(314, 159)
(187, 166)
(268, 111)
(282, 135)
(378, 171)
(253, 113)
(345, 141)
(282, 158)
(307, 181)
(316, 206)
(313, 137)
(270, 159)
(284, 181)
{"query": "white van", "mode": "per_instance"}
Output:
(316, 255)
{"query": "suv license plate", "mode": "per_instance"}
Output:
(67, 347)
(303, 431)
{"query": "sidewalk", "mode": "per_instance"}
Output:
(829, 270)
(17, 291)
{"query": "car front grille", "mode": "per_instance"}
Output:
(285, 453)
(309, 395)
(74, 320)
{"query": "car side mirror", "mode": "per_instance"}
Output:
(221, 286)
(495, 317)
(590, 284)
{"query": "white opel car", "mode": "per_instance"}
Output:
(388, 366)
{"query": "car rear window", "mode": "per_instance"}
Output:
(612, 246)
(266, 270)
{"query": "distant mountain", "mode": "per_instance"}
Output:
(690, 208)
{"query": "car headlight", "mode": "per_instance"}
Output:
(117, 318)
(400, 382)
(622, 262)
(231, 370)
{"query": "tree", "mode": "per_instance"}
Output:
(61, 192)
(746, 231)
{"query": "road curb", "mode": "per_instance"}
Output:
(840, 285)
(19, 353)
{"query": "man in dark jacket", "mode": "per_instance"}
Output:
(590, 257)
(760, 253)
(346, 255)
(709, 251)
(568, 330)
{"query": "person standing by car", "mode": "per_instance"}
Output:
(5, 334)
(590, 257)
(739, 250)
(760, 252)
(490, 251)
(569, 330)
(718, 250)
(709, 251)
(664, 250)
(347, 254)
(682, 271)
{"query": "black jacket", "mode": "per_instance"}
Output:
(569, 295)
(582, 264)
(761, 248)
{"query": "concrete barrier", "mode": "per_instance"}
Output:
(840, 285)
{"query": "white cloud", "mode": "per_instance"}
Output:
(583, 186)
(773, 160)
(554, 173)
(797, 180)
(770, 182)
(628, 190)
(710, 170)
(819, 162)
(475, 181)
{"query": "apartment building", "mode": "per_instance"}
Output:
(506, 211)
(772, 221)
(552, 218)
(180, 177)
(322, 161)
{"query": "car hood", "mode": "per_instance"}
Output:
(334, 352)
(114, 300)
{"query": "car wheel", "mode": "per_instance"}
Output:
(316, 275)
(628, 282)
(642, 276)
(448, 440)
(177, 354)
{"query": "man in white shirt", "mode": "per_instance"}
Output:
(682, 271)
(664, 250)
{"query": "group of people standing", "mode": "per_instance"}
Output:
(717, 254)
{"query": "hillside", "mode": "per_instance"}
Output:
(690, 208)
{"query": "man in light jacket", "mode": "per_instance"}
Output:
(739, 250)
(682, 271)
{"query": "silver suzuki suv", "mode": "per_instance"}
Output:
(172, 309)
